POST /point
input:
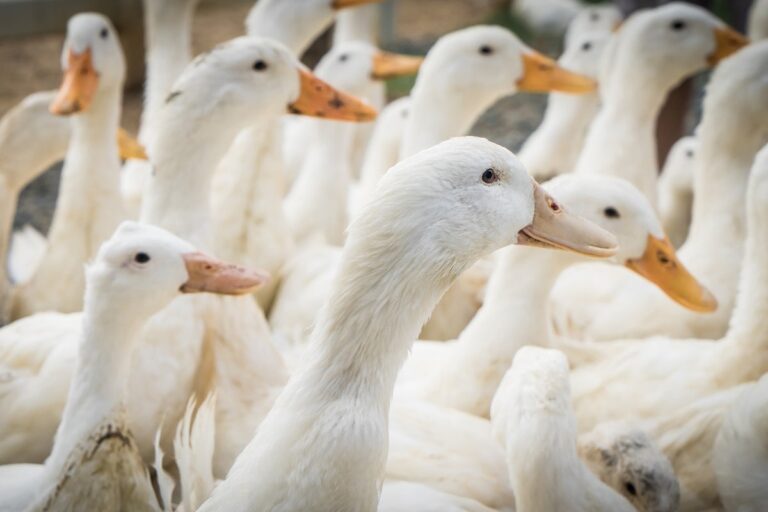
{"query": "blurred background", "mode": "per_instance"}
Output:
(32, 33)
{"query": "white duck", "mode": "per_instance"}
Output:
(740, 458)
(554, 146)
(95, 463)
(733, 128)
(676, 190)
(19, 129)
(651, 53)
(593, 19)
(168, 39)
(184, 162)
(323, 444)
(673, 373)
(316, 206)
(515, 310)
(88, 206)
(533, 418)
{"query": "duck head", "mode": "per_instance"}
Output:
(620, 208)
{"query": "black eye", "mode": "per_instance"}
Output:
(594, 16)
(689, 153)
(630, 487)
(259, 65)
(611, 213)
(486, 50)
(490, 176)
(141, 257)
(586, 46)
(678, 25)
(343, 57)
(104, 33)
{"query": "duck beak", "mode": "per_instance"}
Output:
(345, 4)
(207, 274)
(391, 65)
(319, 99)
(79, 85)
(659, 265)
(542, 74)
(555, 228)
(727, 42)
(129, 147)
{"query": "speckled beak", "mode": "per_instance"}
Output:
(129, 147)
(391, 65)
(319, 99)
(207, 274)
(555, 228)
(659, 264)
(79, 85)
(727, 42)
(542, 74)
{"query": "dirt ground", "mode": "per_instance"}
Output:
(31, 64)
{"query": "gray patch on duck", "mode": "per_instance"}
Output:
(172, 96)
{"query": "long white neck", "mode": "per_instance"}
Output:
(439, 115)
(188, 147)
(621, 141)
(98, 387)
(90, 178)
(357, 24)
(514, 314)
(169, 49)
(317, 203)
(564, 127)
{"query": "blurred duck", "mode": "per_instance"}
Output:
(593, 19)
(673, 373)
(554, 147)
(89, 204)
(533, 418)
(603, 304)
(310, 450)
(676, 190)
(650, 54)
(95, 463)
(758, 20)
(515, 310)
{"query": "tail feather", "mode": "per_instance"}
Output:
(194, 446)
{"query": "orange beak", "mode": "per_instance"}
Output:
(79, 85)
(542, 74)
(390, 65)
(128, 147)
(207, 274)
(727, 42)
(319, 99)
(659, 264)
(345, 4)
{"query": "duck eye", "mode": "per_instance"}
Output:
(630, 487)
(611, 213)
(586, 46)
(141, 257)
(104, 33)
(343, 57)
(689, 153)
(678, 25)
(486, 50)
(259, 65)
(490, 176)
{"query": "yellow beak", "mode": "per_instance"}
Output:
(79, 85)
(390, 65)
(727, 42)
(659, 264)
(319, 99)
(542, 74)
(128, 147)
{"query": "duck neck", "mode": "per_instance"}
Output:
(514, 314)
(97, 390)
(185, 154)
(621, 141)
(169, 50)
(438, 115)
(90, 176)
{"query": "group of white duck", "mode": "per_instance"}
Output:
(570, 358)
